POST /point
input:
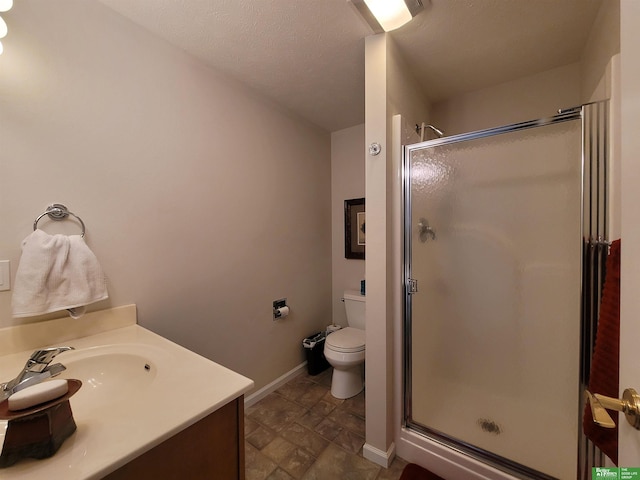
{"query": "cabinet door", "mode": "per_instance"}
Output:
(211, 448)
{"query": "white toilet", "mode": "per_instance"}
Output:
(344, 349)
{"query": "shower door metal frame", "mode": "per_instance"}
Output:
(489, 458)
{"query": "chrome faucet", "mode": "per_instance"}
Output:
(36, 370)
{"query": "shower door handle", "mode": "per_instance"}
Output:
(629, 405)
(412, 286)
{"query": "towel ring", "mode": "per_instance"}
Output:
(58, 212)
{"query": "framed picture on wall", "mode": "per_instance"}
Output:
(354, 228)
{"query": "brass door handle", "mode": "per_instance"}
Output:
(629, 405)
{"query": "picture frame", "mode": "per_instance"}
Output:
(354, 228)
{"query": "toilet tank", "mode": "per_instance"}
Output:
(354, 305)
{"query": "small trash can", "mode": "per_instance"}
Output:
(314, 347)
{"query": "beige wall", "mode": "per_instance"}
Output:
(377, 373)
(404, 94)
(600, 79)
(347, 181)
(528, 98)
(629, 453)
(203, 201)
(542, 94)
(602, 44)
(390, 89)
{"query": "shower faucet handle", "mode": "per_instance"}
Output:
(425, 230)
(629, 404)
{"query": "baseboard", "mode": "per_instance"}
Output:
(378, 456)
(273, 386)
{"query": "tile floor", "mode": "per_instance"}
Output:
(301, 432)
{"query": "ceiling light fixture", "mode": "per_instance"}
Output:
(387, 15)
(5, 6)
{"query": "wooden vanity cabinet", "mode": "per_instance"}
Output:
(212, 448)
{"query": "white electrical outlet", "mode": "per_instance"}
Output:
(5, 275)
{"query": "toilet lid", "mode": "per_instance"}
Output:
(346, 340)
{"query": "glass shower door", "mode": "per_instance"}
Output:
(493, 239)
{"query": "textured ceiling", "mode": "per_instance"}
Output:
(308, 55)
(457, 46)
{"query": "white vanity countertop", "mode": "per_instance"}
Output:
(117, 424)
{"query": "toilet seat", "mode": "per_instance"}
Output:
(346, 340)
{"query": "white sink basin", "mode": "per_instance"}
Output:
(110, 374)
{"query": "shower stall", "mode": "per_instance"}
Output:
(499, 324)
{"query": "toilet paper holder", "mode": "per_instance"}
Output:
(280, 308)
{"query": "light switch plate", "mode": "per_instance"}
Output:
(5, 275)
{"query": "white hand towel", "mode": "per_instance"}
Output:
(56, 272)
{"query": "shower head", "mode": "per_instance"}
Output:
(437, 131)
(420, 130)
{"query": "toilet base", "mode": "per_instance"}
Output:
(347, 383)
